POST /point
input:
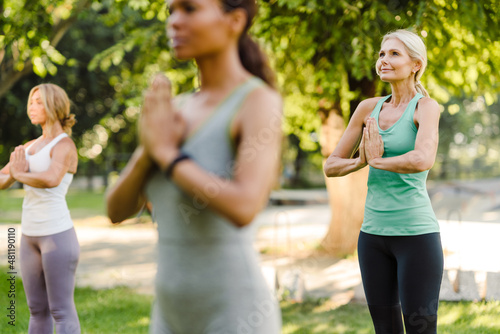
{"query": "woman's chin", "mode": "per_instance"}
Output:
(386, 78)
(182, 54)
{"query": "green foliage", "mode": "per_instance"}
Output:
(469, 139)
(29, 31)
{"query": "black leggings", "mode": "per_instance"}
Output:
(402, 268)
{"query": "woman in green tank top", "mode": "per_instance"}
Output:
(207, 166)
(399, 246)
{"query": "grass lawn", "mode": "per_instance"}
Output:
(82, 204)
(121, 310)
(118, 310)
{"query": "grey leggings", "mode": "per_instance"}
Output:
(48, 266)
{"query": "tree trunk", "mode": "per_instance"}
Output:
(346, 194)
(296, 180)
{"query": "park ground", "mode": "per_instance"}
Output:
(117, 265)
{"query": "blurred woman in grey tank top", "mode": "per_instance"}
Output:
(207, 166)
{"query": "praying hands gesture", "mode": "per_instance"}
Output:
(372, 145)
(161, 128)
(18, 163)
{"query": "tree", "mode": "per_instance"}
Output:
(29, 34)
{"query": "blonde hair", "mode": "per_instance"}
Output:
(416, 50)
(57, 106)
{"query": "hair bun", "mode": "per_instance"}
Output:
(68, 121)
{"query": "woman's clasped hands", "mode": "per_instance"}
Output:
(18, 163)
(161, 127)
(372, 145)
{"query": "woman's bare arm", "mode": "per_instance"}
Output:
(340, 162)
(6, 180)
(127, 197)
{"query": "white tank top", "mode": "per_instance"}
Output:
(45, 211)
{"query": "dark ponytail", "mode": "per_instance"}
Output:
(251, 56)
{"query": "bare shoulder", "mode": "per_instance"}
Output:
(67, 141)
(65, 145)
(369, 104)
(427, 107)
(365, 108)
(426, 103)
(263, 102)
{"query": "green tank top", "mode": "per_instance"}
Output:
(398, 204)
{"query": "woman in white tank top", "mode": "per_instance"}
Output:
(49, 249)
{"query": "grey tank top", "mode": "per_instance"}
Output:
(182, 218)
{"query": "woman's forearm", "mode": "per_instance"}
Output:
(335, 166)
(238, 201)
(411, 162)
(126, 198)
(6, 181)
(38, 180)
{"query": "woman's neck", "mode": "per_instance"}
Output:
(221, 71)
(51, 132)
(402, 92)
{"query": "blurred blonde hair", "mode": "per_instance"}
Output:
(416, 50)
(57, 106)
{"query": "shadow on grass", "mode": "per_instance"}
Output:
(321, 317)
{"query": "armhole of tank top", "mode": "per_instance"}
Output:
(232, 143)
(412, 114)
